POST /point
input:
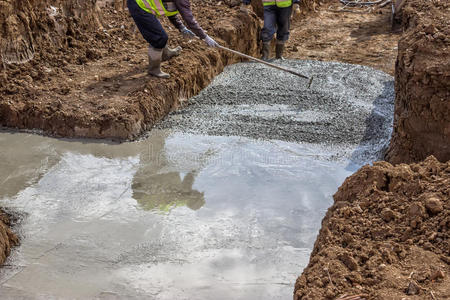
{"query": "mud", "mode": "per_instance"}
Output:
(92, 81)
(386, 236)
(422, 106)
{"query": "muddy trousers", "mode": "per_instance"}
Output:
(276, 20)
(149, 25)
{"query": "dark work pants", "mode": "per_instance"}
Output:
(149, 25)
(277, 20)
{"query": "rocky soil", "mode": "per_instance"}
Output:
(386, 236)
(422, 105)
(7, 238)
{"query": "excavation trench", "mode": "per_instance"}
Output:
(222, 200)
(89, 79)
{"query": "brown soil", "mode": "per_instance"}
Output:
(422, 105)
(388, 229)
(7, 238)
(89, 80)
(357, 38)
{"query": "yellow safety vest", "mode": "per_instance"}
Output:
(279, 3)
(158, 7)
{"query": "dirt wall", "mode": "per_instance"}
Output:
(31, 26)
(91, 80)
(385, 237)
(422, 76)
(7, 238)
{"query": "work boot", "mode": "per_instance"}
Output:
(279, 49)
(266, 51)
(154, 64)
(168, 53)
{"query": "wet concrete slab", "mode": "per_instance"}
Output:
(181, 214)
(174, 216)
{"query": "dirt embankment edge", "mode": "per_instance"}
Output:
(422, 78)
(385, 237)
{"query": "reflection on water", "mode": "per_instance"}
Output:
(239, 216)
(157, 189)
(166, 191)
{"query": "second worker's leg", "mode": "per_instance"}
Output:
(269, 29)
(283, 23)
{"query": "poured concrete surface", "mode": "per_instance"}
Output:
(344, 104)
(189, 212)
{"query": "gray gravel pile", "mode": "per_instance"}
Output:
(345, 104)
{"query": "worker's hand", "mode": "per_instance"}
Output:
(245, 8)
(187, 34)
(210, 42)
(296, 12)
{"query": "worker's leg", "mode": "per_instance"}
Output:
(270, 23)
(153, 32)
(149, 26)
(269, 29)
(283, 21)
(283, 26)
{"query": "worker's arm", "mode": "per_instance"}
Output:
(184, 7)
(176, 21)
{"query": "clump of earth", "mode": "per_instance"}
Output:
(386, 236)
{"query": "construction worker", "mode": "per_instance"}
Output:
(145, 13)
(277, 16)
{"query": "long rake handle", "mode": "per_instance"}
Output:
(262, 61)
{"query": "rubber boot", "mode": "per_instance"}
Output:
(168, 53)
(279, 49)
(154, 64)
(266, 51)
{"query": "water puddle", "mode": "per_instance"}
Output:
(175, 216)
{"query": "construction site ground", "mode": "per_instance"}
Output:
(351, 37)
(95, 86)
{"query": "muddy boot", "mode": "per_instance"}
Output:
(168, 53)
(154, 64)
(279, 49)
(266, 51)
